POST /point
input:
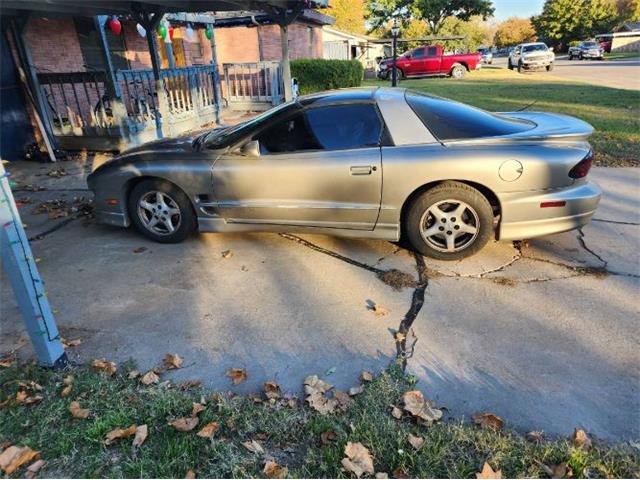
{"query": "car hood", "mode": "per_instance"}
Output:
(184, 143)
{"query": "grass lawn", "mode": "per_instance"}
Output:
(615, 56)
(614, 113)
(290, 434)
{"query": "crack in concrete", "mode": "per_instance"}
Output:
(56, 227)
(617, 222)
(581, 237)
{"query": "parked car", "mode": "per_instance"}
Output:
(366, 162)
(531, 55)
(486, 55)
(584, 50)
(429, 61)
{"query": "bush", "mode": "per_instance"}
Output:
(316, 74)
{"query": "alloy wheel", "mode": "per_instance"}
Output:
(449, 225)
(159, 213)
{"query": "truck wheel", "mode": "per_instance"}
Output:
(550, 67)
(458, 71)
(520, 67)
(580, 57)
(509, 65)
(570, 56)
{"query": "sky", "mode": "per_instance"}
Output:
(516, 8)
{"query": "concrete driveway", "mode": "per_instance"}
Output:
(543, 333)
(621, 73)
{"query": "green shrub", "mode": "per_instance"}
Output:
(316, 74)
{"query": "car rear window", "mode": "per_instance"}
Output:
(449, 120)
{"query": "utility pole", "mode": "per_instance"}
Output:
(395, 30)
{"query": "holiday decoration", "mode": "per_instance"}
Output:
(162, 31)
(114, 25)
(171, 31)
(189, 31)
(141, 30)
(209, 32)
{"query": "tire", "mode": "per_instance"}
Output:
(520, 67)
(570, 56)
(457, 71)
(550, 67)
(183, 221)
(428, 234)
(580, 57)
(509, 64)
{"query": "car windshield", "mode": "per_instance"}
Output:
(590, 45)
(538, 47)
(228, 136)
(449, 120)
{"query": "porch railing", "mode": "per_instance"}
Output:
(253, 85)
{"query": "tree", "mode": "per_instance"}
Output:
(475, 31)
(349, 15)
(514, 30)
(433, 12)
(629, 10)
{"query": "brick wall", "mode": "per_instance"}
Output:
(137, 48)
(305, 41)
(53, 44)
(237, 44)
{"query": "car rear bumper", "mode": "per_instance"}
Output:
(523, 216)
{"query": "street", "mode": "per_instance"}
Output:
(621, 73)
(543, 333)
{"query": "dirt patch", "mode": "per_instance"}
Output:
(397, 279)
(598, 272)
(509, 282)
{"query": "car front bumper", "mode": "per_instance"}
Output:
(523, 216)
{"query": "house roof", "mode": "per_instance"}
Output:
(631, 26)
(344, 34)
(255, 17)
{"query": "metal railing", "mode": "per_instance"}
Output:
(253, 84)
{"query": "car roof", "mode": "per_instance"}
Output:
(532, 43)
(357, 94)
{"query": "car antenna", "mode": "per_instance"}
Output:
(527, 106)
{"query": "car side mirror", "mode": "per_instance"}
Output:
(251, 149)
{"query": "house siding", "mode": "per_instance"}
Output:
(65, 56)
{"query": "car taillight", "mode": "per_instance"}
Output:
(581, 169)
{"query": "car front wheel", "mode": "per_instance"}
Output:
(161, 211)
(458, 71)
(449, 222)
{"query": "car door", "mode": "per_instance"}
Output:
(432, 60)
(319, 167)
(417, 66)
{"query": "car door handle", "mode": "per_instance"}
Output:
(362, 170)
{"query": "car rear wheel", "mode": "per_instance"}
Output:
(449, 222)
(161, 211)
(570, 56)
(458, 71)
(520, 67)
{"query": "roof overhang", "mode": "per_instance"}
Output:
(256, 18)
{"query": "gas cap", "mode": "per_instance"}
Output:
(510, 170)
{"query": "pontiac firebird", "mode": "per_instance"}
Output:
(365, 162)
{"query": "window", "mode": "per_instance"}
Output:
(538, 47)
(418, 53)
(90, 46)
(332, 127)
(432, 52)
(449, 120)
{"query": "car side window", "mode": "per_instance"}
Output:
(432, 52)
(418, 53)
(331, 127)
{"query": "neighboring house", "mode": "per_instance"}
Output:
(348, 46)
(626, 39)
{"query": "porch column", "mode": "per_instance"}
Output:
(216, 74)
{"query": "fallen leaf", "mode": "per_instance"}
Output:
(103, 365)
(396, 412)
(14, 457)
(534, 437)
(272, 390)
(77, 412)
(189, 384)
(23, 398)
(488, 472)
(172, 362)
(70, 343)
(253, 446)
(133, 374)
(421, 408)
(559, 470)
(141, 435)
(400, 472)
(580, 439)
(273, 470)
(238, 375)
(312, 384)
(488, 420)
(379, 310)
(139, 249)
(209, 430)
(114, 435)
(34, 468)
(358, 460)
(416, 442)
(328, 436)
(196, 409)
(342, 399)
(190, 474)
(382, 475)
(184, 424)
(149, 378)
(7, 360)
(227, 254)
(353, 391)
(66, 391)
(366, 376)
(399, 336)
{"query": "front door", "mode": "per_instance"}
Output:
(319, 167)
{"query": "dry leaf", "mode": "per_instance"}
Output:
(189, 384)
(327, 437)
(420, 408)
(488, 472)
(141, 435)
(34, 468)
(396, 412)
(399, 336)
(7, 360)
(23, 398)
(580, 439)
(379, 310)
(14, 457)
(273, 470)
(114, 435)
(366, 376)
(209, 430)
(358, 459)
(353, 391)
(196, 409)
(70, 343)
(382, 475)
(238, 375)
(416, 442)
(184, 424)
(227, 254)
(400, 472)
(488, 420)
(556, 471)
(104, 366)
(77, 412)
(534, 437)
(272, 390)
(172, 362)
(190, 474)
(133, 374)
(253, 446)
(312, 384)
(342, 400)
(149, 378)
(66, 391)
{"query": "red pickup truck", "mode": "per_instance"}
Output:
(429, 60)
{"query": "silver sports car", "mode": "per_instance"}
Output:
(366, 162)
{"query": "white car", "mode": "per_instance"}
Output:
(531, 55)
